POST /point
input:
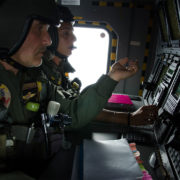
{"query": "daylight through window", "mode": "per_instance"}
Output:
(91, 56)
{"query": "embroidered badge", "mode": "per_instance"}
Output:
(28, 96)
(5, 95)
(29, 91)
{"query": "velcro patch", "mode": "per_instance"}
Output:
(30, 90)
(5, 95)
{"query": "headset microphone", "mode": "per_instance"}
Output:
(53, 108)
(55, 119)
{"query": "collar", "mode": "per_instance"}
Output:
(15, 64)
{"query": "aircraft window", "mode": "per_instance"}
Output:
(91, 56)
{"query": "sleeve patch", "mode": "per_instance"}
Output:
(5, 95)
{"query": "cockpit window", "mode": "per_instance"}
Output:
(90, 58)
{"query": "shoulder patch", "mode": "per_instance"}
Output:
(5, 95)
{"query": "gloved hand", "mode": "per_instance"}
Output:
(144, 115)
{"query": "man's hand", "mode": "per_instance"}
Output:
(144, 115)
(123, 69)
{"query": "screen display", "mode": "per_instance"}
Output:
(173, 17)
(176, 90)
(170, 71)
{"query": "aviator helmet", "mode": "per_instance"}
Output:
(16, 17)
(65, 15)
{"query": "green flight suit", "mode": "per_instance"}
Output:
(82, 109)
(56, 74)
(52, 71)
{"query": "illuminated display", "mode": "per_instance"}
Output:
(170, 71)
(177, 91)
(172, 104)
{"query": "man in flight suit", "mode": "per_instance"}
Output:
(55, 63)
(23, 98)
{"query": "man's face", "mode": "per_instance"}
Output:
(66, 39)
(31, 52)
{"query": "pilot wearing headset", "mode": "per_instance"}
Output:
(24, 98)
(55, 64)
